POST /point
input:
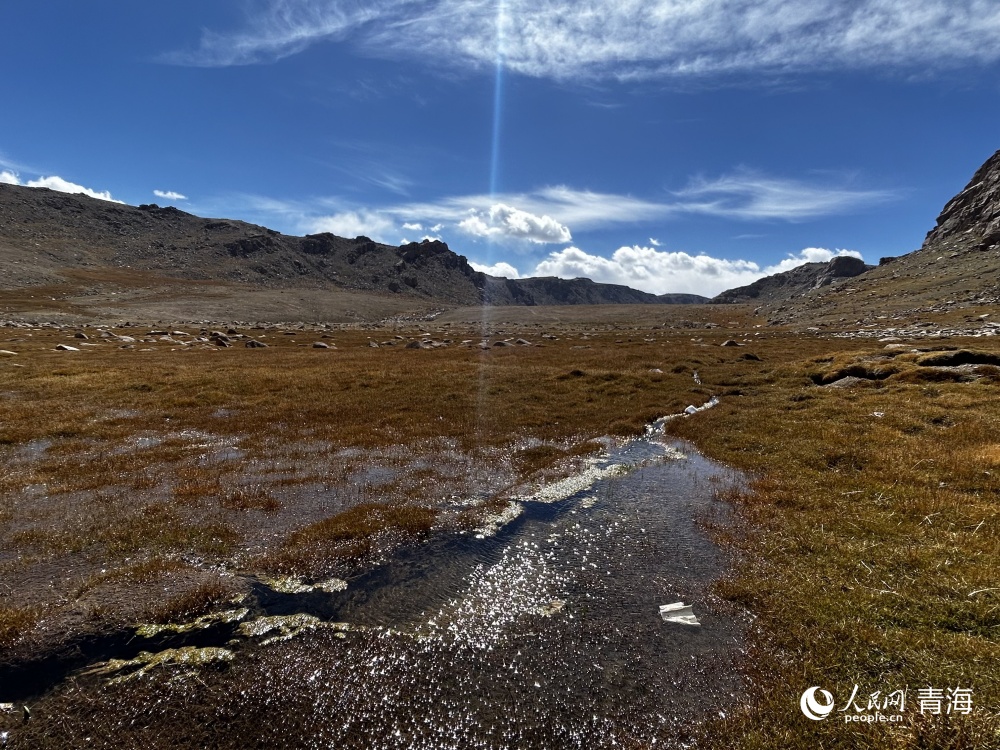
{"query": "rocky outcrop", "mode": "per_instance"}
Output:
(796, 282)
(972, 218)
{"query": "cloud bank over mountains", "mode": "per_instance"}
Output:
(660, 271)
(54, 182)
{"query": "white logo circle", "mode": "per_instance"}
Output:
(814, 709)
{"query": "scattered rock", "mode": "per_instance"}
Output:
(846, 382)
(254, 344)
(730, 342)
(373, 344)
(320, 345)
(66, 348)
(80, 335)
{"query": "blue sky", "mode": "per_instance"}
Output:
(672, 145)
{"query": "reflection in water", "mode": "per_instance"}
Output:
(546, 634)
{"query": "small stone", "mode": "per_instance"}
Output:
(66, 348)
(320, 345)
(846, 382)
(224, 342)
(254, 344)
(80, 335)
(373, 344)
(502, 343)
(730, 342)
(523, 342)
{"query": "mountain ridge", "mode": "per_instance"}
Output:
(44, 234)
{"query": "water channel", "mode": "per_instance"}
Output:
(541, 633)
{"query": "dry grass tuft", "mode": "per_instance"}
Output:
(190, 604)
(353, 534)
(15, 622)
(249, 497)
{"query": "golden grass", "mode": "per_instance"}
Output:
(15, 622)
(869, 547)
(871, 551)
(189, 604)
(312, 550)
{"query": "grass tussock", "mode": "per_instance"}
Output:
(189, 604)
(249, 497)
(15, 622)
(355, 533)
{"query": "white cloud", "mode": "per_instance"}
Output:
(749, 195)
(169, 195)
(626, 38)
(659, 272)
(501, 220)
(56, 183)
(413, 227)
(501, 269)
(582, 209)
(809, 255)
(355, 223)
(654, 242)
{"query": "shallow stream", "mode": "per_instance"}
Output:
(544, 633)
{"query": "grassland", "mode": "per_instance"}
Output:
(138, 480)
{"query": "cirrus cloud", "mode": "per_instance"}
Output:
(683, 39)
